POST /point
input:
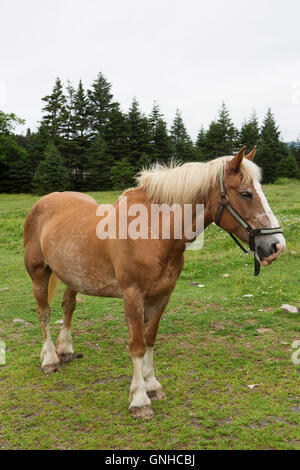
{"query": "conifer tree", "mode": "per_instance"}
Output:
(122, 174)
(117, 134)
(288, 167)
(51, 174)
(201, 146)
(75, 146)
(249, 133)
(100, 105)
(55, 113)
(99, 164)
(270, 150)
(35, 147)
(15, 175)
(221, 137)
(80, 128)
(183, 149)
(139, 135)
(162, 145)
(14, 162)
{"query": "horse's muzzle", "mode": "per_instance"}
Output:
(269, 248)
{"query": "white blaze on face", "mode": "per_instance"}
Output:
(268, 212)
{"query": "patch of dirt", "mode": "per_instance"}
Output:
(264, 330)
(217, 325)
(227, 420)
(269, 420)
(30, 416)
(295, 409)
(92, 346)
(106, 380)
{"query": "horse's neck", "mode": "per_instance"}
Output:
(190, 217)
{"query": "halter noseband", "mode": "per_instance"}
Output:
(252, 232)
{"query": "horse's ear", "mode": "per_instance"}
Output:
(251, 155)
(235, 163)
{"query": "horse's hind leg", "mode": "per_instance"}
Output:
(64, 346)
(49, 358)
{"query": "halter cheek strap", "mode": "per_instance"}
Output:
(252, 232)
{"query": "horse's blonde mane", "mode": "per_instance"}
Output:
(182, 184)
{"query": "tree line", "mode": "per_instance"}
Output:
(85, 142)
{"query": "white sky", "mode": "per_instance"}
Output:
(190, 54)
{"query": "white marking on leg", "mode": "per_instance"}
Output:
(64, 342)
(138, 387)
(151, 383)
(48, 354)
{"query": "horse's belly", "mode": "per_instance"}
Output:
(81, 270)
(90, 285)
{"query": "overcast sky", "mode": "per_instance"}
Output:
(190, 54)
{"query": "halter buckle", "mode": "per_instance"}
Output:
(223, 196)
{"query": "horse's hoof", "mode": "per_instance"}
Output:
(157, 394)
(142, 412)
(50, 368)
(66, 357)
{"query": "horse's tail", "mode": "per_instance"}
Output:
(52, 287)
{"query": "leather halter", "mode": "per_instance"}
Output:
(252, 232)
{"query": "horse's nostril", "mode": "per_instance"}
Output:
(274, 248)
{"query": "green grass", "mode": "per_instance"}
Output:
(212, 344)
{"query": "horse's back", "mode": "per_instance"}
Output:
(55, 206)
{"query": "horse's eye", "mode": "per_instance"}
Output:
(246, 194)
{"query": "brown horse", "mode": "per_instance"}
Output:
(63, 241)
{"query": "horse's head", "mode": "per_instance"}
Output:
(243, 193)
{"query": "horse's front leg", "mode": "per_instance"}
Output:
(140, 404)
(153, 313)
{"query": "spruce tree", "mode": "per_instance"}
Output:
(162, 144)
(139, 135)
(51, 174)
(249, 133)
(117, 134)
(270, 150)
(201, 146)
(75, 146)
(99, 165)
(80, 128)
(15, 174)
(122, 174)
(221, 137)
(183, 149)
(35, 146)
(55, 113)
(288, 167)
(100, 105)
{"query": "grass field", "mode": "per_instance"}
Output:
(213, 343)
